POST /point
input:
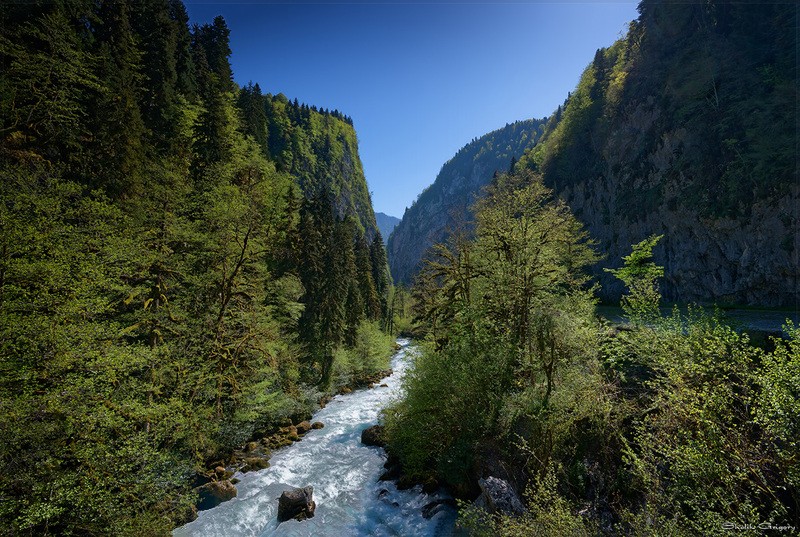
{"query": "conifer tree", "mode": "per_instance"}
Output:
(117, 125)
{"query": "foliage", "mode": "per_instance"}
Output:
(154, 283)
(510, 321)
(369, 355)
(640, 274)
(548, 514)
(672, 425)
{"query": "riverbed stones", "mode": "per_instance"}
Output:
(255, 463)
(433, 508)
(214, 493)
(499, 497)
(296, 503)
(373, 436)
(317, 425)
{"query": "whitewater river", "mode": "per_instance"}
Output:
(344, 473)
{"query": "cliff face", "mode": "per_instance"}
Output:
(444, 206)
(687, 128)
(320, 149)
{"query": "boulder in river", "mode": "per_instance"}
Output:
(499, 497)
(303, 427)
(296, 504)
(373, 436)
(431, 509)
(252, 464)
(317, 425)
(214, 493)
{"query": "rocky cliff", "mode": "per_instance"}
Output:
(687, 128)
(444, 206)
(320, 149)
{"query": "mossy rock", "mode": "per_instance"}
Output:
(253, 464)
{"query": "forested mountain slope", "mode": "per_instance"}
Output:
(444, 206)
(183, 263)
(317, 147)
(687, 128)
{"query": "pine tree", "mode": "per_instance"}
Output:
(254, 119)
(117, 144)
(380, 272)
(366, 280)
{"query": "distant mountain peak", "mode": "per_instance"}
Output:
(386, 224)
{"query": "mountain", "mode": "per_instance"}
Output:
(386, 224)
(444, 206)
(317, 147)
(687, 128)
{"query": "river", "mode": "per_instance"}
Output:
(344, 473)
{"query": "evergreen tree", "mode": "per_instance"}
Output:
(254, 118)
(380, 271)
(118, 129)
(366, 280)
(158, 40)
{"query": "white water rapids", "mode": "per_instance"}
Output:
(344, 473)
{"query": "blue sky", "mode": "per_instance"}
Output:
(421, 79)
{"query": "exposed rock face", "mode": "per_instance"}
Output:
(296, 504)
(444, 206)
(497, 496)
(744, 260)
(373, 436)
(640, 149)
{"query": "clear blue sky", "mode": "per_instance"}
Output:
(420, 80)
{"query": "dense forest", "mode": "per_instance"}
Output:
(664, 425)
(444, 207)
(184, 263)
(672, 166)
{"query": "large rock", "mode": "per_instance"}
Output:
(373, 436)
(433, 508)
(214, 493)
(498, 496)
(296, 504)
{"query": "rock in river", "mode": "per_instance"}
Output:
(373, 436)
(297, 504)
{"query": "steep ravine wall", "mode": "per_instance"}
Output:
(444, 207)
